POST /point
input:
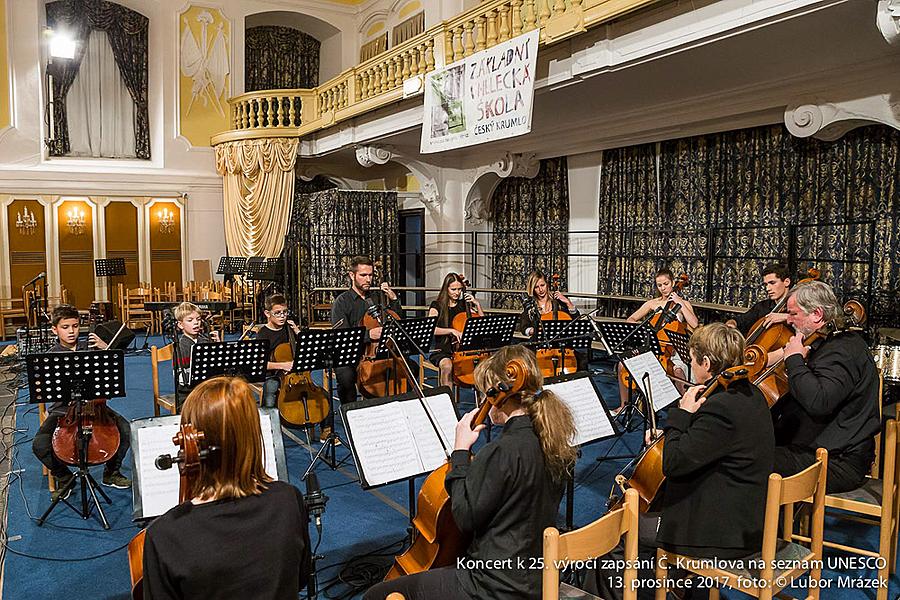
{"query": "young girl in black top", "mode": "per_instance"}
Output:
(202, 548)
(445, 308)
(507, 494)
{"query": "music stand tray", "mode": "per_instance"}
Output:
(74, 376)
(109, 267)
(245, 358)
(551, 331)
(490, 331)
(420, 331)
(232, 265)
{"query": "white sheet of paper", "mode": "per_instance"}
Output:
(268, 447)
(431, 452)
(385, 448)
(591, 421)
(159, 489)
(662, 388)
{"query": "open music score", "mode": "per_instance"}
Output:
(592, 419)
(392, 438)
(662, 388)
(156, 491)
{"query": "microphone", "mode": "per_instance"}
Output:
(40, 275)
(315, 500)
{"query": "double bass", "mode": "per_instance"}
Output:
(553, 361)
(379, 377)
(647, 474)
(300, 401)
(464, 363)
(438, 540)
(192, 450)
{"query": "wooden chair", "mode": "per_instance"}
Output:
(592, 541)
(12, 310)
(132, 308)
(759, 578)
(157, 356)
(875, 503)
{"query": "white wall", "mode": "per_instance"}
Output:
(584, 191)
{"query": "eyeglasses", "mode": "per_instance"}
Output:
(279, 313)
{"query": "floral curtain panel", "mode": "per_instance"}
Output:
(280, 58)
(530, 220)
(127, 31)
(740, 195)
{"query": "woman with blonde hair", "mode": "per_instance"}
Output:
(507, 493)
(192, 550)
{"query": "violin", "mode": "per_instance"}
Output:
(464, 363)
(647, 474)
(773, 381)
(300, 401)
(777, 335)
(381, 377)
(438, 540)
(552, 361)
(192, 450)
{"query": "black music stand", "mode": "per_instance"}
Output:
(490, 331)
(573, 334)
(416, 335)
(242, 358)
(680, 341)
(262, 269)
(232, 265)
(111, 268)
(316, 349)
(77, 377)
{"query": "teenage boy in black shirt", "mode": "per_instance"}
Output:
(778, 284)
(66, 325)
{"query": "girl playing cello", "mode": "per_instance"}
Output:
(449, 304)
(507, 494)
(536, 288)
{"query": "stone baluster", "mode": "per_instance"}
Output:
(458, 48)
(270, 115)
(422, 49)
(559, 7)
(468, 42)
(516, 17)
(504, 23)
(479, 33)
(491, 28)
(429, 54)
(406, 60)
(530, 11)
(292, 113)
(543, 12)
(389, 74)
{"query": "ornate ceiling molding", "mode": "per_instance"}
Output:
(887, 18)
(429, 177)
(829, 121)
(486, 179)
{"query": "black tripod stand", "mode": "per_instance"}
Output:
(70, 377)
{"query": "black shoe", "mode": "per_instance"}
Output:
(116, 480)
(63, 489)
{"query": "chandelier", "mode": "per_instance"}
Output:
(75, 221)
(26, 222)
(166, 220)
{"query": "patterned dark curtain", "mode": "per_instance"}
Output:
(280, 58)
(752, 196)
(127, 33)
(530, 220)
(331, 226)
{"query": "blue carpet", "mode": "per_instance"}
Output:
(73, 558)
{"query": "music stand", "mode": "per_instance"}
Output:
(680, 341)
(490, 331)
(243, 358)
(575, 334)
(316, 349)
(618, 336)
(77, 377)
(415, 335)
(232, 265)
(109, 267)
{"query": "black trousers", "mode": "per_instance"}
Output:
(346, 384)
(846, 470)
(42, 446)
(438, 583)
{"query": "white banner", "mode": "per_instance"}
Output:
(485, 97)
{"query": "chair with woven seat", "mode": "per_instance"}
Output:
(780, 561)
(590, 542)
(12, 310)
(157, 356)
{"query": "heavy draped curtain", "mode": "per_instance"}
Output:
(259, 189)
(530, 219)
(329, 227)
(748, 197)
(127, 32)
(280, 58)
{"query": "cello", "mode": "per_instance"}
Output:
(464, 363)
(777, 335)
(439, 541)
(555, 361)
(300, 401)
(192, 450)
(377, 378)
(773, 381)
(647, 474)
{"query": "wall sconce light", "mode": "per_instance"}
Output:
(166, 220)
(75, 221)
(25, 221)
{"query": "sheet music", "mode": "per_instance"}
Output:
(591, 421)
(663, 390)
(159, 489)
(385, 449)
(431, 452)
(269, 464)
